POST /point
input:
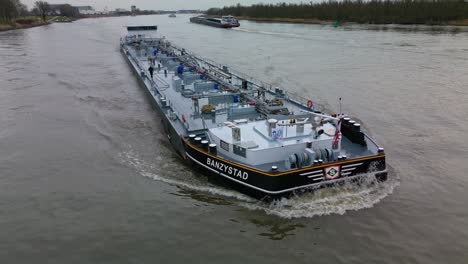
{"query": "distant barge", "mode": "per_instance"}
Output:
(223, 22)
(258, 139)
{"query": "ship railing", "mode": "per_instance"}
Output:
(293, 97)
(132, 57)
(231, 70)
(254, 81)
(156, 82)
(159, 83)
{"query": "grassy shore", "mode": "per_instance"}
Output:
(32, 21)
(284, 20)
(61, 19)
(23, 22)
(463, 22)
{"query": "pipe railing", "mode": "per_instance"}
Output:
(294, 97)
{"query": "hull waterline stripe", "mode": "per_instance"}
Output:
(224, 175)
(312, 172)
(282, 173)
(266, 191)
(315, 177)
(211, 169)
(351, 165)
(318, 179)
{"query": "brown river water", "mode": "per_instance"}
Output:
(87, 175)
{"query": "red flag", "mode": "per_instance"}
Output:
(337, 135)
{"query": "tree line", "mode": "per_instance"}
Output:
(374, 11)
(12, 9)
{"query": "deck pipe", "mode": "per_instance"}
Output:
(357, 127)
(204, 145)
(197, 141)
(345, 122)
(349, 131)
(212, 148)
(192, 138)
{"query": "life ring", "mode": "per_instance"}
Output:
(310, 104)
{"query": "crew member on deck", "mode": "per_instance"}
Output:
(151, 70)
(180, 69)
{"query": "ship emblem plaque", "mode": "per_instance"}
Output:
(332, 172)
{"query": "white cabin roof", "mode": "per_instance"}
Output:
(254, 135)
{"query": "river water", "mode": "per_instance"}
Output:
(87, 176)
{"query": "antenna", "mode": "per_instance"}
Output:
(340, 106)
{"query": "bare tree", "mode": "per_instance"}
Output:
(21, 9)
(7, 11)
(43, 8)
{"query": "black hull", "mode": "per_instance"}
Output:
(255, 183)
(209, 23)
(172, 135)
(260, 184)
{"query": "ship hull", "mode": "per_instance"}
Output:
(260, 184)
(171, 133)
(211, 23)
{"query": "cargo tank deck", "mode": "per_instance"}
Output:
(184, 106)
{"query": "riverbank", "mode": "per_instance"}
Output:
(32, 21)
(15, 25)
(463, 22)
(284, 20)
(62, 19)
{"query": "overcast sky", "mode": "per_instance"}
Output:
(156, 4)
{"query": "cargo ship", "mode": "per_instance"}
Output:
(256, 138)
(223, 22)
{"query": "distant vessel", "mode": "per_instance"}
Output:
(172, 15)
(223, 22)
(244, 133)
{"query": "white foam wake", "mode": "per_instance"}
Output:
(271, 33)
(336, 200)
(180, 178)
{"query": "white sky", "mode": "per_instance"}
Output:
(156, 4)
